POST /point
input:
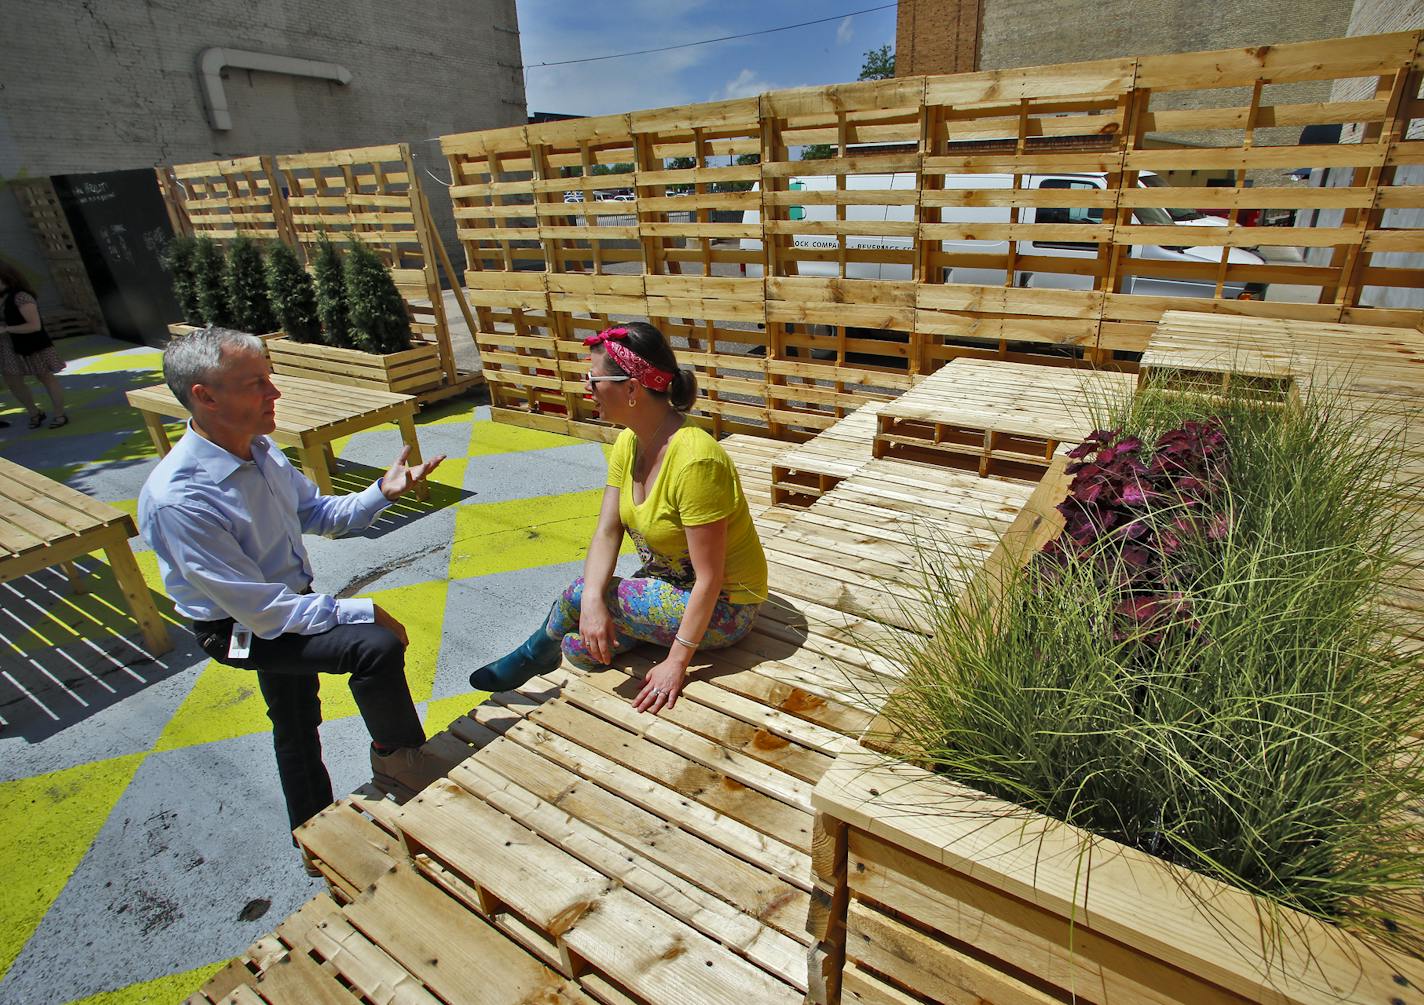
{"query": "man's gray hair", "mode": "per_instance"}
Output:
(196, 357)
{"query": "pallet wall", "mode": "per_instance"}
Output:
(930, 232)
(368, 194)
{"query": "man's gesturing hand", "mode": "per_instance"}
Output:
(400, 477)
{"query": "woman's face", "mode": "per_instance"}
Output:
(610, 395)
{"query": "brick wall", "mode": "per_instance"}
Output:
(936, 36)
(102, 86)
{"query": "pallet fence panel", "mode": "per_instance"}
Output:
(1245, 116)
(373, 195)
(231, 198)
(492, 174)
(515, 336)
(696, 178)
(824, 362)
(40, 204)
(1043, 214)
(715, 325)
(584, 174)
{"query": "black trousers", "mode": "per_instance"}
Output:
(287, 669)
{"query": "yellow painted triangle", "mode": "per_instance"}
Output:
(523, 533)
(50, 821)
(504, 438)
(160, 991)
(223, 703)
(443, 711)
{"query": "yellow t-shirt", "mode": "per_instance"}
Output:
(697, 484)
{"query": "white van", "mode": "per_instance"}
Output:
(1148, 285)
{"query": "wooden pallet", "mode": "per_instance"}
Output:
(997, 418)
(809, 471)
(866, 546)
(60, 324)
(755, 458)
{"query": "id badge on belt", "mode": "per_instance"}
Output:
(239, 643)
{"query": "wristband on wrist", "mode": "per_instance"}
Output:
(683, 642)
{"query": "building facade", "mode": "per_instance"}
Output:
(90, 87)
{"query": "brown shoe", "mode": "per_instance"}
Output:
(406, 771)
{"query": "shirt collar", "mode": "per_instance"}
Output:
(217, 461)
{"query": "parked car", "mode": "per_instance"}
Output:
(1186, 251)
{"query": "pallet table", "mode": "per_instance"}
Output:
(310, 414)
(996, 418)
(44, 523)
(810, 470)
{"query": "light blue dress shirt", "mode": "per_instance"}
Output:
(228, 535)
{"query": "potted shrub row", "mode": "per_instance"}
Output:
(343, 321)
(1166, 747)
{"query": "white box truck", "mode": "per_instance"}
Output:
(1186, 251)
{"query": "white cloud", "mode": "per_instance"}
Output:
(844, 32)
(744, 85)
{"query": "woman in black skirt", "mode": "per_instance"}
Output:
(25, 349)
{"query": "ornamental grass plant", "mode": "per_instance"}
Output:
(1204, 665)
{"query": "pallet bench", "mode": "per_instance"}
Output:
(996, 418)
(755, 457)
(44, 523)
(808, 471)
(310, 414)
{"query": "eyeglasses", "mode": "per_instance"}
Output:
(594, 378)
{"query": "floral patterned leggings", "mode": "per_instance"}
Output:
(643, 610)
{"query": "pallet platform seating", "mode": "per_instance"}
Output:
(44, 523)
(755, 458)
(643, 860)
(996, 418)
(805, 473)
(310, 415)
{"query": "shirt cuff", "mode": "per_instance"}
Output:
(373, 500)
(356, 610)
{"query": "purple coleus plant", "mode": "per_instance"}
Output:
(1132, 509)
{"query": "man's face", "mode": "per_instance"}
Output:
(241, 397)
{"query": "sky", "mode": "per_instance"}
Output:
(555, 30)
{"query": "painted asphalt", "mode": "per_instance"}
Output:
(142, 833)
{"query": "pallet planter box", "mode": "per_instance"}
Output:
(945, 891)
(409, 372)
(179, 329)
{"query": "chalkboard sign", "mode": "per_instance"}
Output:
(120, 227)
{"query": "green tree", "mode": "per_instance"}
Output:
(619, 168)
(209, 286)
(331, 293)
(817, 152)
(246, 280)
(293, 295)
(178, 260)
(377, 313)
(743, 160)
(879, 64)
(680, 164)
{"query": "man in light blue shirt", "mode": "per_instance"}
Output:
(225, 512)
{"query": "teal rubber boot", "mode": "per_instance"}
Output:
(539, 654)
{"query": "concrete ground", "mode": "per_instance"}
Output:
(142, 832)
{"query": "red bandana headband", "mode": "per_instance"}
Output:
(634, 365)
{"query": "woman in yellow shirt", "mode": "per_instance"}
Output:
(676, 493)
